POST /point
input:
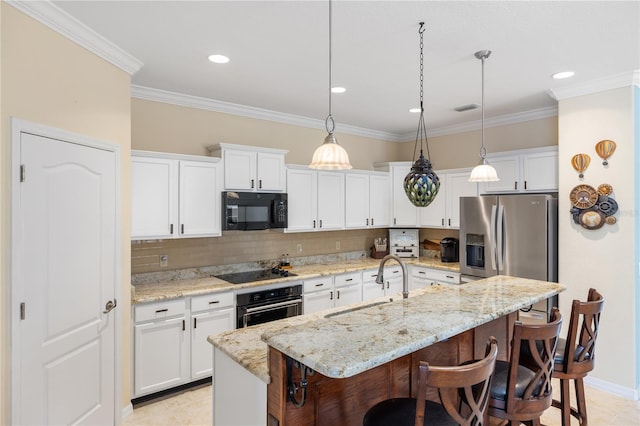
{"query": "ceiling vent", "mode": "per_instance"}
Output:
(466, 107)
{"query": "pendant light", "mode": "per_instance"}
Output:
(330, 155)
(483, 172)
(421, 184)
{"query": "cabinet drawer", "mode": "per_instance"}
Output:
(316, 284)
(347, 279)
(436, 275)
(211, 301)
(369, 275)
(159, 310)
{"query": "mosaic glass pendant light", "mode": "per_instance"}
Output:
(421, 184)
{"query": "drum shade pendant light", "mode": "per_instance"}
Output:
(421, 184)
(330, 155)
(483, 172)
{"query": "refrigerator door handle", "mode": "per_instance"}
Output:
(500, 238)
(492, 239)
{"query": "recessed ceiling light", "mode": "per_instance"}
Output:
(563, 74)
(338, 89)
(414, 110)
(218, 59)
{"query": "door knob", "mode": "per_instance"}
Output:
(110, 306)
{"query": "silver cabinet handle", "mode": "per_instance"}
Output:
(252, 184)
(110, 306)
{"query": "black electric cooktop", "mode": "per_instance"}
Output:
(259, 275)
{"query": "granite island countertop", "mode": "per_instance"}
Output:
(346, 341)
(175, 288)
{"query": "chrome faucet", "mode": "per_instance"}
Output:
(405, 278)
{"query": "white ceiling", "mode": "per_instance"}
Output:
(279, 53)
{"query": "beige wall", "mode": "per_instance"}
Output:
(602, 258)
(50, 80)
(462, 149)
(158, 126)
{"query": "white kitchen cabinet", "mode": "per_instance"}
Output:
(170, 339)
(315, 199)
(318, 294)
(367, 196)
(404, 212)
(210, 314)
(527, 170)
(161, 346)
(174, 196)
(421, 276)
(250, 168)
(348, 288)
(330, 291)
(393, 282)
(444, 211)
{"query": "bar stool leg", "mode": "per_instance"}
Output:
(565, 402)
(581, 401)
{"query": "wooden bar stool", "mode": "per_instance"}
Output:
(521, 388)
(575, 356)
(463, 391)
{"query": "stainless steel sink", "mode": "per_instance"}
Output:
(357, 308)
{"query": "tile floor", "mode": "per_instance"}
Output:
(193, 407)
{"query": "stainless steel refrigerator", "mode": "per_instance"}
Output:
(514, 235)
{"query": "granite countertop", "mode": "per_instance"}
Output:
(172, 289)
(346, 344)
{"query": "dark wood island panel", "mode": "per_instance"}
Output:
(344, 401)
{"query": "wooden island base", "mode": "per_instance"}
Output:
(345, 401)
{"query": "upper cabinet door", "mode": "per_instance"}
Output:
(404, 213)
(508, 169)
(271, 172)
(154, 196)
(540, 171)
(434, 215)
(458, 185)
(330, 200)
(199, 199)
(240, 170)
(357, 200)
(379, 200)
(302, 199)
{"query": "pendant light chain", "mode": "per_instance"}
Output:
(483, 149)
(422, 128)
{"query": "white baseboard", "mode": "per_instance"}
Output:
(628, 393)
(127, 411)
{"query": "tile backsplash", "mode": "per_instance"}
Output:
(245, 246)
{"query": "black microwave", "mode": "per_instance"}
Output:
(246, 211)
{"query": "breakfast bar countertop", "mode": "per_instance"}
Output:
(343, 342)
(175, 288)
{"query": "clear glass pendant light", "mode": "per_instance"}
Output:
(330, 155)
(421, 184)
(483, 172)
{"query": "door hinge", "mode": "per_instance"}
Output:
(22, 172)
(22, 311)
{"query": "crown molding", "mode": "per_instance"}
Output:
(597, 85)
(503, 120)
(164, 96)
(60, 21)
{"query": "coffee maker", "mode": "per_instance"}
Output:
(449, 250)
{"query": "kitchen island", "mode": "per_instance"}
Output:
(358, 355)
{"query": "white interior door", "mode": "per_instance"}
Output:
(65, 244)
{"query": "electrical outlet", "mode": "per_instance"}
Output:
(337, 245)
(164, 261)
(299, 248)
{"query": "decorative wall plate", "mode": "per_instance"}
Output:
(592, 219)
(583, 196)
(610, 220)
(605, 189)
(607, 205)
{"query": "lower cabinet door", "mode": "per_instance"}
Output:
(317, 301)
(371, 290)
(161, 355)
(393, 286)
(203, 325)
(348, 294)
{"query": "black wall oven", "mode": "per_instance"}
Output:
(245, 211)
(268, 305)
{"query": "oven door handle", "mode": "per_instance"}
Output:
(273, 306)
